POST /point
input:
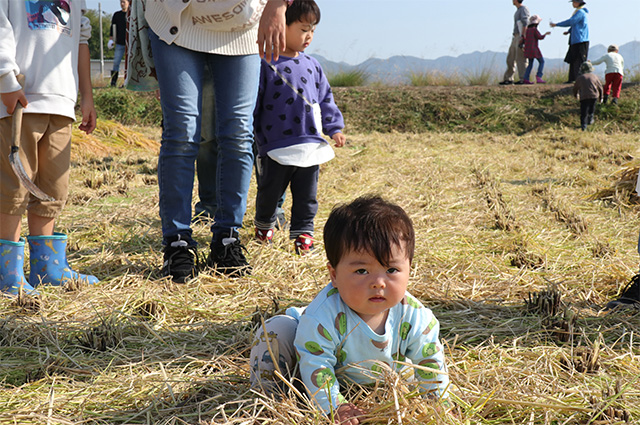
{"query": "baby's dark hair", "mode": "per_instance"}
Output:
(369, 224)
(306, 10)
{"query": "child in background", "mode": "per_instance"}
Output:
(531, 49)
(613, 73)
(295, 106)
(27, 29)
(588, 89)
(363, 316)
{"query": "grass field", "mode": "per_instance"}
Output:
(506, 207)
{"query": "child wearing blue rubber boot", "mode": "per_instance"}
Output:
(52, 81)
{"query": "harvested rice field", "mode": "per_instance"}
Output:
(521, 241)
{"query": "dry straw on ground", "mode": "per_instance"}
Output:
(139, 349)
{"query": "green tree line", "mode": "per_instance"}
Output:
(94, 42)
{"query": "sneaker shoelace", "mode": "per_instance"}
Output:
(183, 257)
(233, 250)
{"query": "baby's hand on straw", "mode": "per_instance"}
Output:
(349, 414)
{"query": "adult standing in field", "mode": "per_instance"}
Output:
(515, 55)
(118, 38)
(578, 38)
(185, 40)
(629, 297)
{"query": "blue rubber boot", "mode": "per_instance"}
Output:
(49, 261)
(12, 268)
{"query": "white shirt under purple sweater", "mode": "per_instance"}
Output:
(282, 118)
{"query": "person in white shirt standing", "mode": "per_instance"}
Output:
(613, 73)
(48, 96)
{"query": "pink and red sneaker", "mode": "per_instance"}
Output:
(264, 235)
(303, 244)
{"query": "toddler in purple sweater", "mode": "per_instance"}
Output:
(295, 107)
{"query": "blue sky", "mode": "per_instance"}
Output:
(353, 31)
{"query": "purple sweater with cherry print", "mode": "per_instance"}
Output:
(282, 118)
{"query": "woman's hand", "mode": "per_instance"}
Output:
(272, 30)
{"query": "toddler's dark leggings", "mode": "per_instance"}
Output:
(587, 110)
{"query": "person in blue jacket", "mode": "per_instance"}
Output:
(578, 38)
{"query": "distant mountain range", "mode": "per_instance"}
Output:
(396, 69)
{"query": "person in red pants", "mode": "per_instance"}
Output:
(613, 73)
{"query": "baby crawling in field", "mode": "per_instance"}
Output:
(362, 318)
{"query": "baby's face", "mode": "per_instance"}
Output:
(368, 287)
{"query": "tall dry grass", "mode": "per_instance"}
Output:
(352, 78)
(138, 349)
(435, 78)
(553, 75)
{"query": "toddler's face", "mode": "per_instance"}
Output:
(299, 36)
(368, 287)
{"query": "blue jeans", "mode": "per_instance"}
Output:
(180, 74)
(527, 73)
(118, 54)
(206, 163)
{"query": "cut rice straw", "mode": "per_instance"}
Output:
(137, 348)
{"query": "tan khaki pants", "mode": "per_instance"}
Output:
(45, 152)
(515, 58)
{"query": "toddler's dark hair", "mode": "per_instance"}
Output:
(303, 9)
(369, 224)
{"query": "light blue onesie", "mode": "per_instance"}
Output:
(332, 341)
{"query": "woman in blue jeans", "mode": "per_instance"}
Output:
(187, 40)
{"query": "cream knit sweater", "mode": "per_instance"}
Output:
(226, 27)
